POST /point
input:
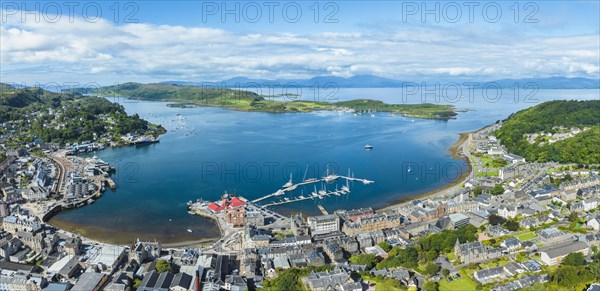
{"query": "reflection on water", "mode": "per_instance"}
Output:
(209, 150)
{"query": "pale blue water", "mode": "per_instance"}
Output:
(209, 150)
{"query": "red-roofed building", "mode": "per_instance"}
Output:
(226, 203)
(214, 207)
(236, 202)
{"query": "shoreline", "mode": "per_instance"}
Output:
(331, 107)
(455, 152)
(122, 238)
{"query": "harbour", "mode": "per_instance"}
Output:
(216, 149)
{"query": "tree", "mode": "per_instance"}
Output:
(431, 286)
(136, 283)
(385, 246)
(431, 255)
(511, 225)
(573, 217)
(477, 190)
(495, 219)
(431, 269)
(163, 266)
(368, 260)
(574, 259)
(445, 272)
(497, 190)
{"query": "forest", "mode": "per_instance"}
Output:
(583, 148)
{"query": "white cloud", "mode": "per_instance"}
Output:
(146, 52)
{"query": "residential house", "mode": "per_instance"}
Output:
(511, 244)
(594, 223)
(507, 211)
(475, 252)
(329, 280)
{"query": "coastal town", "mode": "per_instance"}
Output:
(506, 224)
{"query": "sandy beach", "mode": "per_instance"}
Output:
(458, 150)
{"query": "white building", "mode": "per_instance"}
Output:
(594, 223)
(507, 211)
(36, 193)
(513, 159)
(553, 255)
(324, 223)
(24, 223)
(590, 204)
(495, 151)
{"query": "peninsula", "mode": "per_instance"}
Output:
(250, 101)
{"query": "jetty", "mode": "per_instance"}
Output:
(327, 179)
(322, 209)
(320, 195)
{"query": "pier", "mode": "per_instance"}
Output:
(327, 179)
(319, 195)
(322, 209)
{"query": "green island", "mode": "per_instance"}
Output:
(249, 101)
(41, 116)
(559, 131)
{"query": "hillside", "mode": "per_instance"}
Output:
(249, 101)
(30, 114)
(548, 118)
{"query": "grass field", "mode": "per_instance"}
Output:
(465, 283)
(457, 285)
(526, 236)
(382, 284)
(487, 174)
(451, 256)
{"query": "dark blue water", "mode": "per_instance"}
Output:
(209, 150)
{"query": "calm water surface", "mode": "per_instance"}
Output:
(209, 150)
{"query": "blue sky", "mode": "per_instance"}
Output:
(185, 40)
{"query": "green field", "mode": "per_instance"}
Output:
(382, 284)
(526, 236)
(249, 101)
(488, 174)
(463, 284)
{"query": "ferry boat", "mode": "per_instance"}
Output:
(368, 147)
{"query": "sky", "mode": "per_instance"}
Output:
(107, 42)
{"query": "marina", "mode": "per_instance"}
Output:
(329, 178)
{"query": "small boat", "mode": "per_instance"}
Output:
(289, 183)
(368, 147)
(189, 230)
(286, 199)
(170, 219)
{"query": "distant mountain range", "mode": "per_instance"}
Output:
(370, 81)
